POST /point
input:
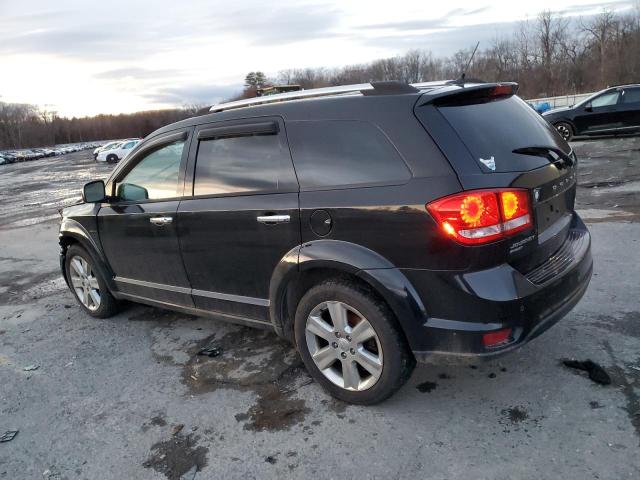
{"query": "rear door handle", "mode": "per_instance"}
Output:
(274, 219)
(161, 220)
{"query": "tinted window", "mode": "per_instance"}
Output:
(155, 176)
(128, 145)
(248, 163)
(610, 98)
(493, 129)
(631, 95)
(342, 153)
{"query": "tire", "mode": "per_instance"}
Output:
(112, 158)
(386, 354)
(76, 260)
(565, 130)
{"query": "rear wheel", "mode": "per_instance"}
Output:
(87, 283)
(565, 130)
(350, 342)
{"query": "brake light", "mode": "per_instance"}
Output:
(482, 216)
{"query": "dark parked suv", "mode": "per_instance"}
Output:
(372, 226)
(612, 111)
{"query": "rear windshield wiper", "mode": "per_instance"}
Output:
(554, 155)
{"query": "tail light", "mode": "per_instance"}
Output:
(482, 216)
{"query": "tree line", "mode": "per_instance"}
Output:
(24, 125)
(550, 55)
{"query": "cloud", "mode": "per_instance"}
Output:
(446, 41)
(426, 24)
(277, 25)
(193, 94)
(590, 7)
(137, 73)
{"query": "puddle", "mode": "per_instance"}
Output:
(176, 456)
(257, 361)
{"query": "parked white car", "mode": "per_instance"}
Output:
(107, 146)
(117, 153)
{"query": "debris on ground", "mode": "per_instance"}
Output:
(595, 371)
(427, 387)
(176, 429)
(31, 368)
(210, 351)
(8, 436)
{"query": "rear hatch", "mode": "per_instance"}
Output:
(493, 139)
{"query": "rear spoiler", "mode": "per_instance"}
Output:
(453, 94)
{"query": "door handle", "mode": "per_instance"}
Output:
(274, 219)
(161, 220)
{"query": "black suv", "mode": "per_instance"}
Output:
(612, 111)
(371, 226)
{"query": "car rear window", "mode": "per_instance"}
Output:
(331, 154)
(494, 129)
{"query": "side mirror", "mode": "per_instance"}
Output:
(132, 192)
(93, 192)
(588, 108)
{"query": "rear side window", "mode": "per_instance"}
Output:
(631, 95)
(343, 153)
(249, 163)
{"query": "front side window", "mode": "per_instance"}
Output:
(155, 176)
(248, 163)
(605, 100)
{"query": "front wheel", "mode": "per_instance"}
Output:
(565, 130)
(112, 158)
(350, 343)
(87, 283)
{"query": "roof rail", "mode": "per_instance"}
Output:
(363, 88)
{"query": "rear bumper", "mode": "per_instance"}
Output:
(464, 306)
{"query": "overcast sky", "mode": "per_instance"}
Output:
(82, 57)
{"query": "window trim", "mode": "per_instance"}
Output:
(230, 131)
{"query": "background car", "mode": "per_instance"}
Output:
(118, 152)
(608, 112)
(108, 146)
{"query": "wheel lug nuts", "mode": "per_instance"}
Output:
(353, 351)
(338, 334)
(348, 337)
(343, 355)
(334, 345)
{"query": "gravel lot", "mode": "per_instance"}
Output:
(128, 398)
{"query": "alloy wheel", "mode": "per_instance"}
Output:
(344, 346)
(564, 131)
(84, 283)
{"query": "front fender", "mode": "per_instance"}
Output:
(375, 270)
(71, 229)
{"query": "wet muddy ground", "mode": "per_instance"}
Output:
(130, 397)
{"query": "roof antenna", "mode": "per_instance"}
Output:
(463, 74)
